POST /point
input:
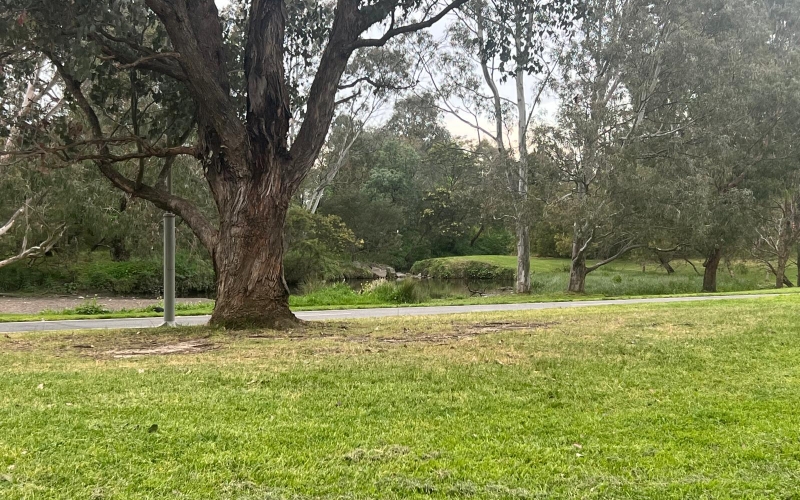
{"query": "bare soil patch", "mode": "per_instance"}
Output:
(185, 347)
(460, 332)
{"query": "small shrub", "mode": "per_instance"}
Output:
(90, 307)
(617, 279)
(408, 292)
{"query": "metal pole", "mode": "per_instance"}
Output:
(169, 263)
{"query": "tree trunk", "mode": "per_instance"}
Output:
(664, 261)
(248, 260)
(577, 273)
(710, 275)
(780, 272)
(523, 284)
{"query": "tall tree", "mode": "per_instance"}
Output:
(496, 41)
(173, 53)
(610, 84)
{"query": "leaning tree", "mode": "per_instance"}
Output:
(139, 73)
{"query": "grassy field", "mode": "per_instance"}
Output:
(661, 401)
(620, 278)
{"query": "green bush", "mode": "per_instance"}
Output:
(90, 307)
(318, 245)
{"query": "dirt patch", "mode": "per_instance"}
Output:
(460, 333)
(10, 343)
(186, 347)
(504, 326)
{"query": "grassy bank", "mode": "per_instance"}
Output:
(621, 278)
(668, 401)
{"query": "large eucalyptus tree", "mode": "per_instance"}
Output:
(144, 72)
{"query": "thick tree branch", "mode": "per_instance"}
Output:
(8, 225)
(268, 112)
(201, 227)
(196, 33)
(409, 28)
(138, 56)
(625, 249)
(321, 103)
(38, 250)
(349, 24)
(143, 60)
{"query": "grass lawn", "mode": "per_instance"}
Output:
(692, 400)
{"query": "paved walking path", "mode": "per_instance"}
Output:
(85, 324)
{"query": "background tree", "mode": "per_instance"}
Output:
(493, 42)
(609, 86)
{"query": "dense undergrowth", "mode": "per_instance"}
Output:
(99, 274)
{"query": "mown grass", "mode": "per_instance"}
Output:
(662, 401)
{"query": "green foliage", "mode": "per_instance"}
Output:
(377, 292)
(548, 240)
(90, 307)
(97, 274)
(396, 292)
(317, 246)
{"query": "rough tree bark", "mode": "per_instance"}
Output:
(523, 278)
(664, 262)
(523, 284)
(577, 274)
(780, 272)
(710, 274)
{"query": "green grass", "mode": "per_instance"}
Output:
(661, 401)
(620, 278)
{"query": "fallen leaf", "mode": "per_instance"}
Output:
(577, 445)
(40, 386)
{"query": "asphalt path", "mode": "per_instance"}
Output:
(339, 314)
